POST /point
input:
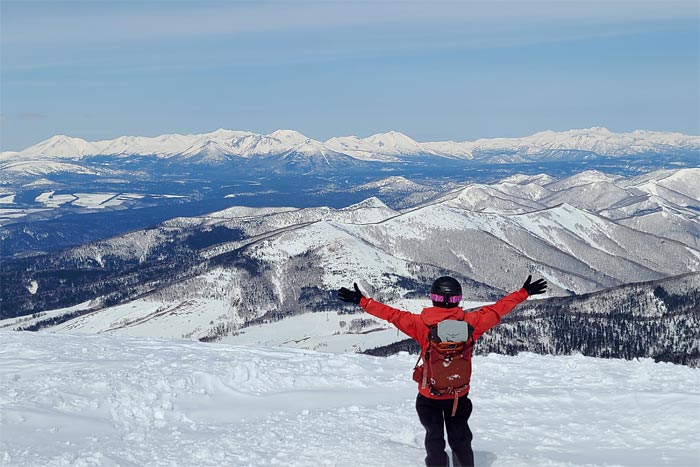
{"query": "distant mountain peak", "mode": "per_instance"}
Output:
(289, 135)
(207, 149)
(395, 143)
(586, 177)
(224, 133)
(394, 138)
(62, 146)
(522, 179)
(369, 203)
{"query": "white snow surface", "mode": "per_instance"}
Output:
(7, 198)
(98, 400)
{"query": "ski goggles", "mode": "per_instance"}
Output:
(441, 298)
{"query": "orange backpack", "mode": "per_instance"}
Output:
(447, 364)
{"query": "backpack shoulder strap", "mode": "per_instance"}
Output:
(433, 334)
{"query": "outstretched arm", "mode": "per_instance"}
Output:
(488, 316)
(403, 320)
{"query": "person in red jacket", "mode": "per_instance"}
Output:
(435, 411)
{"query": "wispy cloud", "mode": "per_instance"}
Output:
(32, 22)
(24, 116)
(32, 116)
(117, 37)
(374, 45)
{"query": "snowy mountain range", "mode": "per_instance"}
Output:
(222, 144)
(261, 272)
(66, 191)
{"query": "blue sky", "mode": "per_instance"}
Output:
(440, 70)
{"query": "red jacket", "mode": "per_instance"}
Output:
(415, 326)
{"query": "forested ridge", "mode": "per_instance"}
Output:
(659, 319)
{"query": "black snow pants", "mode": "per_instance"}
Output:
(435, 415)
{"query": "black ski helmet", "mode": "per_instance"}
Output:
(446, 292)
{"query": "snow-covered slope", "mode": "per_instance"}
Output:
(595, 140)
(396, 143)
(61, 146)
(677, 225)
(500, 198)
(43, 167)
(359, 148)
(571, 247)
(401, 193)
(116, 401)
(587, 177)
(683, 182)
(215, 144)
(594, 191)
(281, 271)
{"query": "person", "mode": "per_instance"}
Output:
(439, 411)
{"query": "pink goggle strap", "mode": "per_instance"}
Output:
(440, 298)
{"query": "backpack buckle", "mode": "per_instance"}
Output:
(450, 347)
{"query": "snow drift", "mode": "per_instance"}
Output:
(96, 400)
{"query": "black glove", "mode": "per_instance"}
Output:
(537, 287)
(348, 295)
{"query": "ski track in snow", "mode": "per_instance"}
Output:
(98, 400)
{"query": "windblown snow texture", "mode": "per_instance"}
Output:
(97, 400)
